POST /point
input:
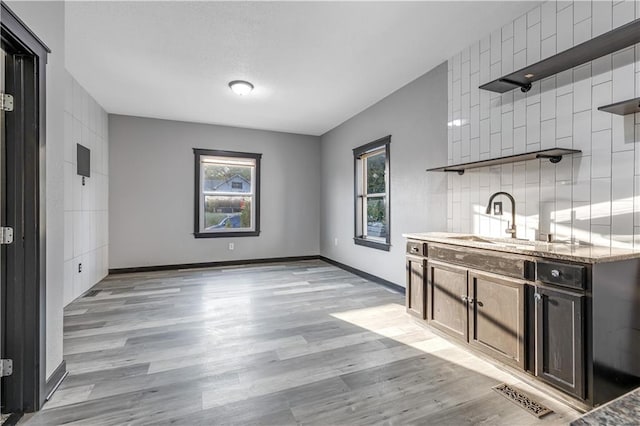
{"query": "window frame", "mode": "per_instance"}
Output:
(198, 154)
(359, 193)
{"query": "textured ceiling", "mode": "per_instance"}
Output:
(313, 64)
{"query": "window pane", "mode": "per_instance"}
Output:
(222, 213)
(226, 178)
(375, 174)
(376, 218)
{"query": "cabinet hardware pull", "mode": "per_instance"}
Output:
(537, 296)
(464, 298)
(555, 273)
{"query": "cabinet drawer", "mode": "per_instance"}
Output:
(417, 248)
(561, 274)
(484, 260)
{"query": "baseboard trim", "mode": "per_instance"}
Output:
(223, 263)
(210, 264)
(366, 275)
(55, 380)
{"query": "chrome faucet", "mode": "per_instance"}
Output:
(512, 227)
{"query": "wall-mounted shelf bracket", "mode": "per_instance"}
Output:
(552, 158)
(525, 87)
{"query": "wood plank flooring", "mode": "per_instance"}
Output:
(274, 344)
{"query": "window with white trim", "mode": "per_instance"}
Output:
(227, 194)
(371, 163)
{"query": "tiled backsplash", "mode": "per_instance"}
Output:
(591, 197)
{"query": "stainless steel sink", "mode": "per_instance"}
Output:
(501, 242)
(473, 238)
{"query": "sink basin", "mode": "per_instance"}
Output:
(500, 242)
(472, 238)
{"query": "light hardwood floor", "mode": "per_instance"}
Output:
(274, 344)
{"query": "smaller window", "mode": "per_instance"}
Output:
(372, 211)
(227, 194)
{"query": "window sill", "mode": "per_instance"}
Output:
(372, 244)
(226, 234)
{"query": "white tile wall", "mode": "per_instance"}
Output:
(85, 207)
(591, 197)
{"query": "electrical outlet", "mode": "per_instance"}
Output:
(497, 208)
(335, 241)
(79, 267)
(232, 246)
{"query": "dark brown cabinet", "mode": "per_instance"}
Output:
(559, 332)
(497, 317)
(447, 299)
(416, 286)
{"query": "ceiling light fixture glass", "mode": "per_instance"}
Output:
(240, 87)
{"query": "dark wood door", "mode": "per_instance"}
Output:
(559, 324)
(496, 317)
(416, 286)
(447, 299)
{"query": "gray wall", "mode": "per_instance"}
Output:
(416, 118)
(151, 192)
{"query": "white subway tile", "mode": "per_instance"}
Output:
(456, 95)
(456, 67)
(623, 135)
(474, 57)
(464, 55)
(549, 47)
(485, 136)
(520, 59)
(582, 88)
(623, 13)
(533, 124)
(77, 100)
(564, 121)
(601, 95)
(68, 93)
(474, 122)
(548, 134)
(77, 233)
(519, 140)
(601, 154)
(622, 169)
(548, 98)
(564, 82)
(520, 34)
(474, 91)
(548, 19)
(496, 145)
(485, 67)
(533, 44)
(464, 144)
(485, 44)
(602, 17)
(600, 234)
(506, 101)
(565, 29)
(582, 131)
(581, 10)
(507, 131)
(474, 148)
(496, 72)
(496, 120)
(533, 17)
(68, 235)
(623, 75)
(507, 56)
(519, 110)
(77, 192)
(582, 32)
(566, 142)
(464, 77)
(581, 225)
(69, 145)
(601, 70)
(582, 178)
(496, 46)
(600, 200)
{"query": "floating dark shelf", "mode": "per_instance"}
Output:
(554, 155)
(609, 42)
(630, 106)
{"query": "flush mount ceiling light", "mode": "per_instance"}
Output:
(240, 87)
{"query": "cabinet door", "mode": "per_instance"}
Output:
(416, 286)
(560, 339)
(496, 317)
(447, 299)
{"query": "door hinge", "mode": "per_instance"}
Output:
(6, 367)
(6, 102)
(6, 235)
